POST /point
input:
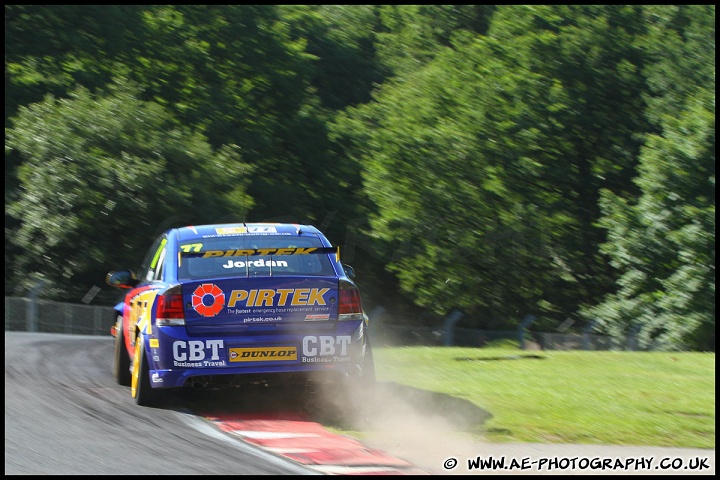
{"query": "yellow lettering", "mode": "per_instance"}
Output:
(316, 296)
(246, 252)
(284, 292)
(300, 297)
(266, 297)
(237, 296)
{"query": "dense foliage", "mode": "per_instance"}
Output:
(553, 160)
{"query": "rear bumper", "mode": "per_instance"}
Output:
(277, 376)
(179, 360)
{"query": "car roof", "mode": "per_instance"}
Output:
(233, 229)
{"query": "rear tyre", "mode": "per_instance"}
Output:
(140, 387)
(121, 365)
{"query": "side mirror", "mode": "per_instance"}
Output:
(122, 279)
(349, 271)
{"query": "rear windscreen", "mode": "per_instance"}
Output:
(228, 265)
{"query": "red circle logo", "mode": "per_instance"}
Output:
(216, 300)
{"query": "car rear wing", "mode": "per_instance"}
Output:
(195, 250)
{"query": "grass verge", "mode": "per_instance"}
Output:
(587, 397)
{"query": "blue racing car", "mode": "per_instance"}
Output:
(235, 304)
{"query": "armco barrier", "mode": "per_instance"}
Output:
(408, 335)
(22, 314)
(48, 316)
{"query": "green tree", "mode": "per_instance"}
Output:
(409, 36)
(240, 74)
(51, 48)
(243, 75)
(101, 176)
(48, 50)
(486, 163)
(341, 40)
(663, 243)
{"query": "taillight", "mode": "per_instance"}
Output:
(170, 307)
(350, 307)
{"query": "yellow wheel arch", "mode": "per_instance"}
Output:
(135, 380)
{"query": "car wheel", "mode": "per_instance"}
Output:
(121, 365)
(140, 387)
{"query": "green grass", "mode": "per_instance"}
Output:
(619, 398)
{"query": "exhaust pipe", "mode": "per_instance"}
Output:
(199, 383)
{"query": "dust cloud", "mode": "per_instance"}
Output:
(421, 427)
(424, 428)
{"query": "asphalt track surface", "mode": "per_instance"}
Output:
(65, 415)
